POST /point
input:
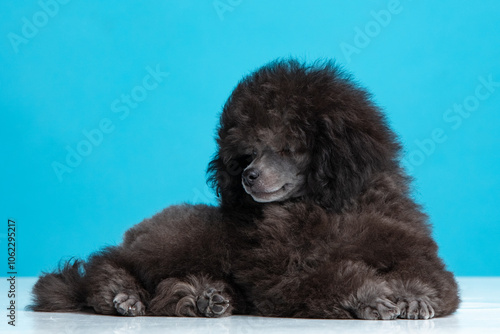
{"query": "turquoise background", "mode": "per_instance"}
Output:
(67, 68)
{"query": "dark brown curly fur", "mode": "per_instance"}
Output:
(340, 238)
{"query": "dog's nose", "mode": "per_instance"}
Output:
(250, 175)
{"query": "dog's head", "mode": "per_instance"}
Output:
(294, 131)
(273, 175)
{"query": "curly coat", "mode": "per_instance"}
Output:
(351, 244)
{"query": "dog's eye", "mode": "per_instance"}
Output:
(244, 160)
(286, 151)
(254, 153)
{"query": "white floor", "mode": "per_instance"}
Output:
(479, 313)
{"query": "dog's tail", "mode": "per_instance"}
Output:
(62, 290)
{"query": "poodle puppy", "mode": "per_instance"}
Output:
(315, 220)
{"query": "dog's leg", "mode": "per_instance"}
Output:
(111, 289)
(344, 289)
(196, 296)
(348, 289)
(407, 292)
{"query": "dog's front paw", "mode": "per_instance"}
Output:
(128, 305)
(379, 309)
(416, 308)
(372, 301)
(211, 303)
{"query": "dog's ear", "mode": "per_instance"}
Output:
(224, 176)
(346, 153)
(212, 177)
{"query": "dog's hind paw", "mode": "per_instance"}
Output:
(128, 305)
(211, 303)
(196, 296)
